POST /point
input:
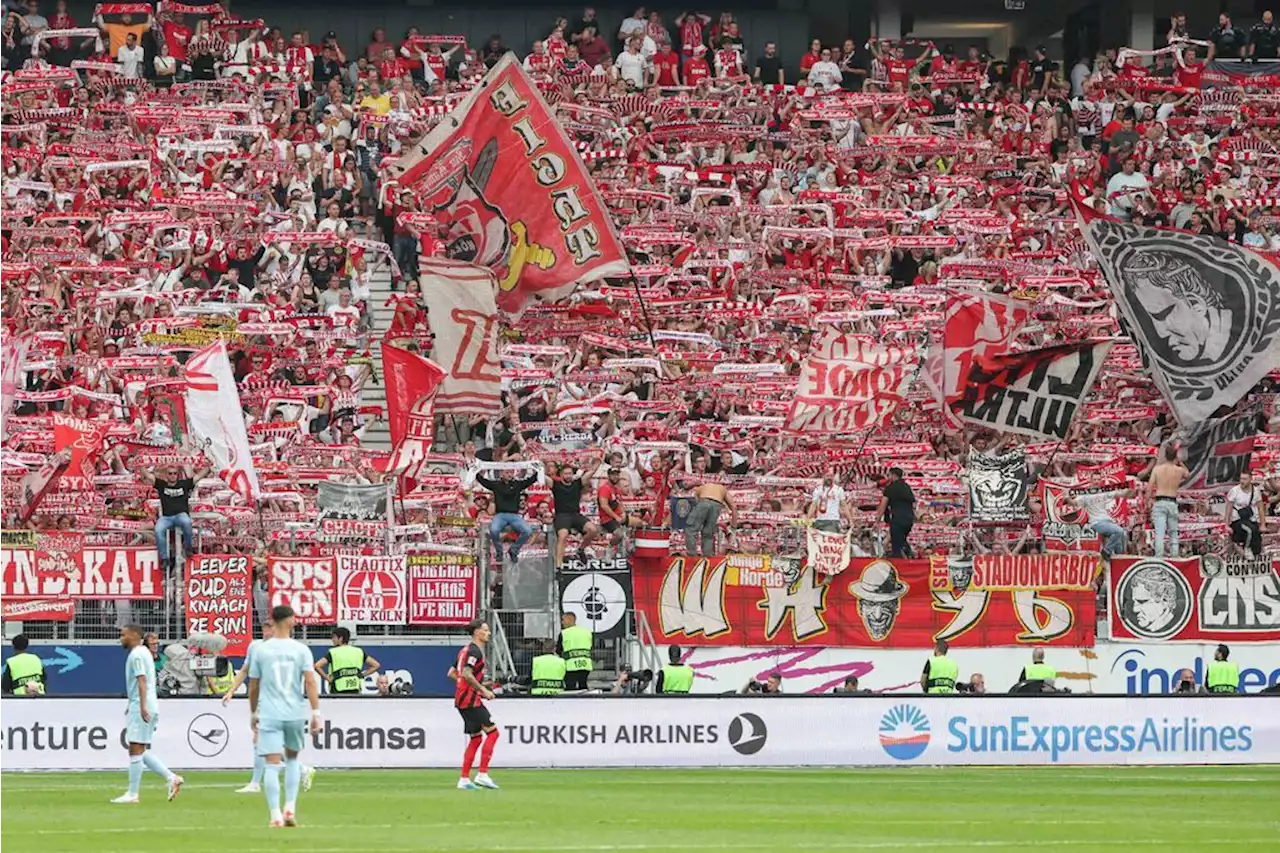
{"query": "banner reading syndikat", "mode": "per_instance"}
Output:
(98, 573)
(512, 193)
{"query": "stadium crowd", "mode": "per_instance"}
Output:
(174, 175)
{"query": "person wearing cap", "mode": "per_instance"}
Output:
(1038, 670)
(940, 672)
(1222, 675)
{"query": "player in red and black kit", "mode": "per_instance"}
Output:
(468, 697)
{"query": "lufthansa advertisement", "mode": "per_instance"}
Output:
(86, 734)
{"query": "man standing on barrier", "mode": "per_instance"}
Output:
(1222, 675)
(574, 645)
(348, 665)
(547, 675)
(940, 672)
(24, 672)
(676, 677)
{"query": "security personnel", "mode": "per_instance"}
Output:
(1221, 676)
(348, 665)
(24, 672)
(676, 677)
(574, 645)
(1038, 670)
(220, 683)
(548, 674)
(940, 671)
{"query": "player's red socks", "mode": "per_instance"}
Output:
(486, 752)
(473, 745)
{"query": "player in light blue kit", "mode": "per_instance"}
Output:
(260, 762)
(142, 716)
(281, 685)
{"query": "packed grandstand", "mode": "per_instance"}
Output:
(661, 261)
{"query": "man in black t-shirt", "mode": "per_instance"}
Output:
(566, 495)
(768, 68)
(898, 509)
(174, 486)
(1043, 70)
(1264, 38)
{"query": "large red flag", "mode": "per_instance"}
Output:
(974, 325)
(511, 192)
(412, 382)
(84, 441)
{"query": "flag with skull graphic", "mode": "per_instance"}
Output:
(1204, 314)
(998, 488)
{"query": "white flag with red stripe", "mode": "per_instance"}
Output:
(461, 302)
(217, 421)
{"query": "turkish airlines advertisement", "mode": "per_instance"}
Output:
(1198, 598)
(757, 600)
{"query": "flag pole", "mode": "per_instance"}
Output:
(644, 309)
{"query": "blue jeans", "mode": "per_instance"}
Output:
(509, 520)
(1164, 518)
(1113, 538)
(405, 249)
(164, 524)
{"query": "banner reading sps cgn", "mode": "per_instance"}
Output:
(680, 732)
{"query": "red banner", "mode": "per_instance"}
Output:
(217, 599)
(442, 588)
(755, 600)
(511, 193)
(84, 441)
(38, 610)
(1205, 599)
(97, 573)
(371, 590)
(307, 584)
(412, 382)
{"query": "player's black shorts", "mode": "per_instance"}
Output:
(611, 525)
(475, 719)
(577, 522)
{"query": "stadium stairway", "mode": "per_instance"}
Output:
(378, 437)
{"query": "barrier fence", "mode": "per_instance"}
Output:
(87, 734)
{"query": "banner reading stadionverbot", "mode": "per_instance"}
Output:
(757, 600)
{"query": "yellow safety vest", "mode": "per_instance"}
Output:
(24, 669)
(1039, 672)
(677, 678)
(576, 642)
(942, 675)
(345, 665)
(1221, 676)
(548, 675)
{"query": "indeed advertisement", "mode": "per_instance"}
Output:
(98, 668)
(607, 731)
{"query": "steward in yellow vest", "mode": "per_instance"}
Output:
(940, 672)
(548, 675)
(574, 646)
(1221, 676)
(348, 665)
(24, 672)
(676, 677)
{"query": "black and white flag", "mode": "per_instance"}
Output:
(998, 488)
(1218, 451)
(352, 502)
(598, 592)
(1204, 314)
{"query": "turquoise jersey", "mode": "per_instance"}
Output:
(279, 666)
(138, 663)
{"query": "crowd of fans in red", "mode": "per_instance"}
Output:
(176, 174)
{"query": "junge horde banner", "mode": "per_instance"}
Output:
(511, 192)
(1195, 599)
(94, 573)
(756, 600)
(1034, 393)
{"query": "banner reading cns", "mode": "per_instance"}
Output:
(1195, 599)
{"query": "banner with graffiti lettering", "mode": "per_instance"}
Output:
(511, 193)
(94, 573)
(998, 488)
(842, 395)
(1035, 393)
(1195, 599)
(1218, 451)
(756, 600)
(217, 599)
(443, 583)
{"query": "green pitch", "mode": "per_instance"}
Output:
(1144, 808)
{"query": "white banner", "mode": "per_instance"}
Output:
(213, 410)
(829, 553)
(1112, 668)
(85, 734)
(372, 590)
(460, 300)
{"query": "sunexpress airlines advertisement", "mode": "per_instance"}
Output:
(85, 734)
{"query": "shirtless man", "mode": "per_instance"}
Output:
(711, 499)
(1166, 477)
